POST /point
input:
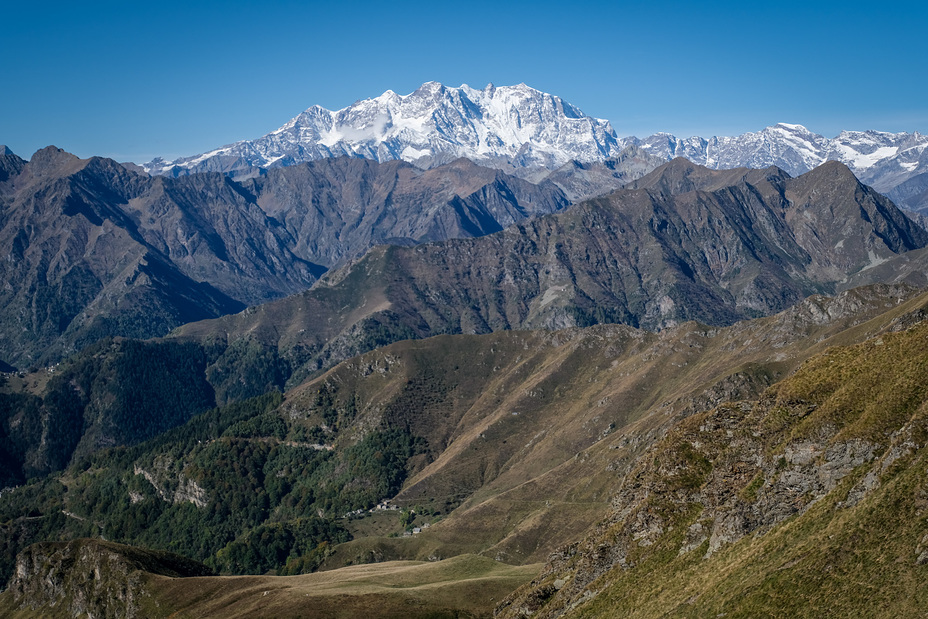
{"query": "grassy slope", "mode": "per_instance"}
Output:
(521, 502)
(524, 484)
(465, 586)
(853, 551)
(460, 587)
(829, 562)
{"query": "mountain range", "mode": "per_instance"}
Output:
(682, 243)
(96, 249)
(464, 352)
(513, 127)
(529, 133)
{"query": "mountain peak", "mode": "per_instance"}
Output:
(430, 88)
(508, 127)
(835, 171)
(679, 175)
(835, 166)
(10, 164)
(791, 127)
(52, 159)
(524, 131)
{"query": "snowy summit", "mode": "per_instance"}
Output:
(528, 133)
(505, 127)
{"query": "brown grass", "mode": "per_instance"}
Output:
(460, 587)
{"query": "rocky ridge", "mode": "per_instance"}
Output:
(753, 242)
(94, 249)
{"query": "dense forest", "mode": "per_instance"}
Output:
(239, 487)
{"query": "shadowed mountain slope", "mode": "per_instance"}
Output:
(95, 249)
(336, 209)
(76, 267)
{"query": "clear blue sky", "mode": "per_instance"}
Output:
(133, 80)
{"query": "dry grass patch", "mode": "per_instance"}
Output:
(465, 586)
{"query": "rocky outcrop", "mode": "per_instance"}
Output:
(90, 578)
(170, 484)
(710, 476)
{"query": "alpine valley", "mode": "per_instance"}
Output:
(465, 353)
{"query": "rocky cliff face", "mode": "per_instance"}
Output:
(90, 578)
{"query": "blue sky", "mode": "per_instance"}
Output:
(135, 80)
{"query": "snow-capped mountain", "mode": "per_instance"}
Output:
(880, 159)
(513, 127)
(529, 133)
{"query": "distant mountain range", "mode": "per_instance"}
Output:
(529, 133)
(94, 249)
(510, 127)
(683, 243)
